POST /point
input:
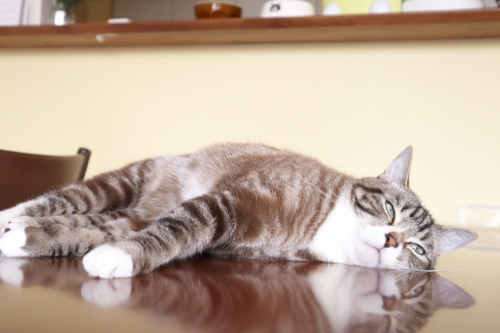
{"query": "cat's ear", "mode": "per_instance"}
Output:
(399, 170)
(451, 296)
(449, 239)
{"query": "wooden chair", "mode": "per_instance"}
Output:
(25, 176)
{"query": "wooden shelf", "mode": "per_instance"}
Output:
(400, 26)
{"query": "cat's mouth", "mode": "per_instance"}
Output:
(378, 256)
(372, 256)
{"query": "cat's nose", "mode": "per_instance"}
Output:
(389, 303)
(391, 240)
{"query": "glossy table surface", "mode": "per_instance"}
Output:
(221, 295)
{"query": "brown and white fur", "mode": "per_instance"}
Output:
(243, 201)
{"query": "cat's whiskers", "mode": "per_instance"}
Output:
(319, 190)
(322, 204)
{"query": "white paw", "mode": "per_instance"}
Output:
(16, 211)
(10, 270)
(18, 223)
(12, 242)
(107, 261)
(107, 293)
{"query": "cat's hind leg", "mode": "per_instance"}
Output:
(113, 191)
(19, 222)
(8, 215)
(83, 221)
(187, 230)
(55, 240)
(50, 239)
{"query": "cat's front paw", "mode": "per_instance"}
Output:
(18, 223)
(12, 242)
(11, 271)
(107, 261)
(8, 214)
(107, 293)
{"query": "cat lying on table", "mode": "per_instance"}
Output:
(243, 201)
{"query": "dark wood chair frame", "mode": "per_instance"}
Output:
(26, 176)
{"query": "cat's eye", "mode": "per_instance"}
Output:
(390, 210)
(417, 248)
(415, 292)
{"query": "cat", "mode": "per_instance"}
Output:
(220, 295)
(234, 200)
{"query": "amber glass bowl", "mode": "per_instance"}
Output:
(216, 9)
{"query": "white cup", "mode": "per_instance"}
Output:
(287, 8)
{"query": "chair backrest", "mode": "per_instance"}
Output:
(25, 176)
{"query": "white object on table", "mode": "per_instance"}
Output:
(119, 20)
(440, 5)
(41, 12)
(287, 8)
(380, 7)
(332, 8)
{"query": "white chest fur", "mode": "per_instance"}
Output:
(335, 240)
(346, 238)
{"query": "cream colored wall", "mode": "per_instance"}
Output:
(353, 105)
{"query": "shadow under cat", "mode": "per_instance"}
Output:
(216, 295)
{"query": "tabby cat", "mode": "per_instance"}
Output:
(243, 201)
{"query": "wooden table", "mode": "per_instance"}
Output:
(221, 295)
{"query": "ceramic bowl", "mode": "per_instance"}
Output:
(216, 9)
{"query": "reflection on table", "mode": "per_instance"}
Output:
(218, 295)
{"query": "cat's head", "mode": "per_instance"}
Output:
(394, 221)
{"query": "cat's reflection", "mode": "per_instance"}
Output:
(215, 295)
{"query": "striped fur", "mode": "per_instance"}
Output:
(244, 201)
